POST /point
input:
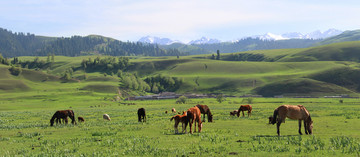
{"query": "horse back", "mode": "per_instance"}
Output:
(297, 112)
(203, 108)
(245, 108)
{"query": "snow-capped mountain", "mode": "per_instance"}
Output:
(296, 35)
(268, 36)
(157, 40)
(204, 40)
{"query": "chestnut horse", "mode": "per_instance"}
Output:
(204, 109)
(63, 114)
(244, 108)
(194, 114)
(141, 115)
(180, 118)
(295, 112)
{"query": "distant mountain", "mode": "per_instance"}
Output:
(204, 40)
(345, 36)
(296, 35)
(157, 40)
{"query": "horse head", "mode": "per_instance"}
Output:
(210, 118)
(52, 122)
(309, 125)
(270, 119)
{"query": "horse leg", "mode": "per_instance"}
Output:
(176, 127)
(300, 127)
(204, 118)
(195, 125)
(278, 127)
(243, 113)
(305, 126)
(191, 123)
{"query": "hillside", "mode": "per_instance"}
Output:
(345, 36)
(21, 44)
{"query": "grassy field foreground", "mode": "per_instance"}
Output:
(25, 130)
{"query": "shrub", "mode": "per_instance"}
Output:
(247, 100)
(15, 70)
(181, 100)
(220, 98)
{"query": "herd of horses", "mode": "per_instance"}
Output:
(193, 116)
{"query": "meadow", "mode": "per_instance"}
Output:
(25, 129)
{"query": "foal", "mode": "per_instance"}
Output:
(180, 118)
(244, 108)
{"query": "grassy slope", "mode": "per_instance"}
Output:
(199, 75)
(212, 76)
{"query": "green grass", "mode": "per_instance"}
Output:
(25, 130)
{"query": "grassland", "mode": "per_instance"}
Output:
(25, 128)
(28, 101)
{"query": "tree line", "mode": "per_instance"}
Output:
(21, 44)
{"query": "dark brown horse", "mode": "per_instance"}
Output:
(141, 115)
(81, 119)
(244, 108)
(63, 114)
(204, 109)
(233, 113)
(298, 112)
(194, 114)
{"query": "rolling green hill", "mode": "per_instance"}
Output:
(323, 70)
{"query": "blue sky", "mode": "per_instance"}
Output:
(183, 20)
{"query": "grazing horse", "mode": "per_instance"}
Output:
(297, 112)
(141, 115)
(81, 119)
(63, 114)
(204, 109)
(173, 110)
(244, 108)
(106, 117)
(194, 114)
(233, 113)
(180, 118)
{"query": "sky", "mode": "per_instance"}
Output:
(184, 20)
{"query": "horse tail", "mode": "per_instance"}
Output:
(276, 112)
(172, 118)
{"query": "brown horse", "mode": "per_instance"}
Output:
(180, 118)
(63, 114)
(194, 114)
(204, 109)
(244, 108)
(141, 115)
(297, 112)
(81, 119)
